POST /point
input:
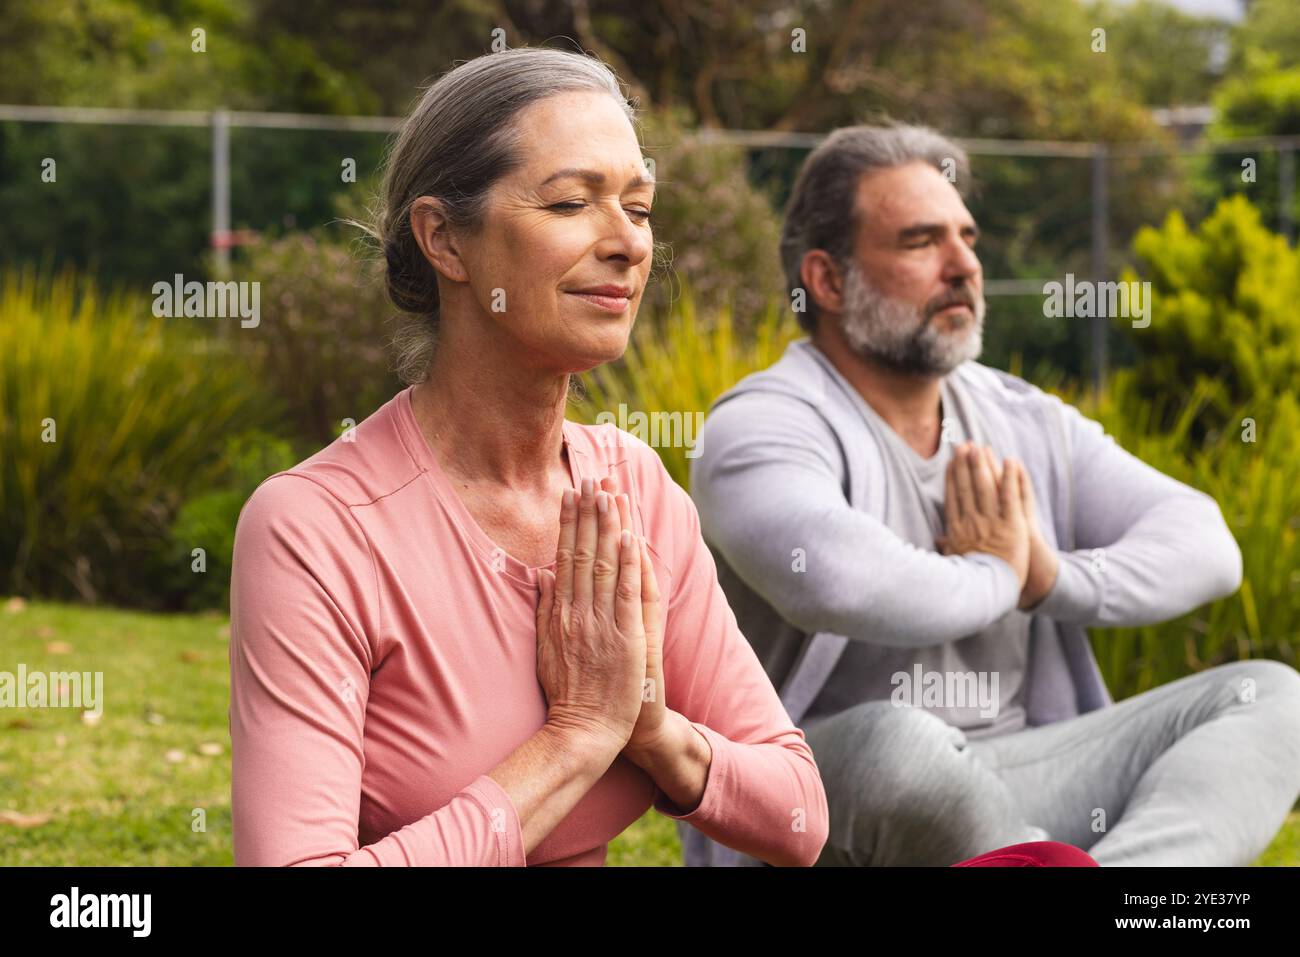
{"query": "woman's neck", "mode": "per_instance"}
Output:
(489, 418)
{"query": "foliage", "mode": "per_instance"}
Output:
(131, 204)
(680, 364)
(109, 420)
(1211, 402)
(1260, 99)
(128, 204)
(140, 53)
(1269, 27)
(1259, 96)
(1169, 57)
(719, 232)
(1005, 68)
(208, 520)
(321, 343)
(1223, 307)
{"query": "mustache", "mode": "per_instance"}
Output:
(962, 296)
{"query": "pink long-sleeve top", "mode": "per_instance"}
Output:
(383, 660)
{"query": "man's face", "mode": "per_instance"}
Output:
(913, 293)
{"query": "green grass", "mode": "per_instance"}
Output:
(111, 793)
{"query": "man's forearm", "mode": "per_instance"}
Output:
(1172, 561)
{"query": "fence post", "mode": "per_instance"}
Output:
(221, 191)
(1286, 192)
(1100, 258)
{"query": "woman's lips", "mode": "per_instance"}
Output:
(608, 303)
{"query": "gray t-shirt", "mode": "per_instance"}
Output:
(975, 683)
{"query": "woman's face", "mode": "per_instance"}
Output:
(572, 219)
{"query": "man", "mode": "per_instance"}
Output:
(914, 544)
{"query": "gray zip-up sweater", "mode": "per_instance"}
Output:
(790, 489)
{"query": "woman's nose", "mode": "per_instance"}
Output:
(626, 238)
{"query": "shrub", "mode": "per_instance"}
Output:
(109, 419)
(717, 231)
(208, 520)
(1223, 311)
(321, 345)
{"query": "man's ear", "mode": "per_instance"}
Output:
(823, 279)
(432, 233)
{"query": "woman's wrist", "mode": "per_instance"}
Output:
(586, 742)
(677, 761)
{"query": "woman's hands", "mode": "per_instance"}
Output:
(651, 722)
(599, 633)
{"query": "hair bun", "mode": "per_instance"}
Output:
(411, 281)
(393, 256)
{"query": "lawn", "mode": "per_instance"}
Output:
(149, 782)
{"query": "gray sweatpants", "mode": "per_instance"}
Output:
(1200, 771)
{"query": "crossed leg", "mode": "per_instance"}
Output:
(1202, 770)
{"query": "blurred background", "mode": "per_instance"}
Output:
(228, 139)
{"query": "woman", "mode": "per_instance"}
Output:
(420, 674)
(399, 693)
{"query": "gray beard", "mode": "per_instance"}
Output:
(896, 334)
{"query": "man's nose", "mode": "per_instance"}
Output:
(961, 262)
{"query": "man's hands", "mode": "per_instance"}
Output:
(989, 507)
(983, 513)
(1043, 559)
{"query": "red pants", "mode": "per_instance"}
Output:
(1033, 854)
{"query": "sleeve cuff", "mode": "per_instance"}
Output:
(502, 820)
(1077, 593)
(713, 784)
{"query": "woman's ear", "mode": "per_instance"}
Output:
(432, 233)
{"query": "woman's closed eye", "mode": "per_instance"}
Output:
(639, 214)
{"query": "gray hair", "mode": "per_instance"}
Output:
(821, 212)
(456, 142)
